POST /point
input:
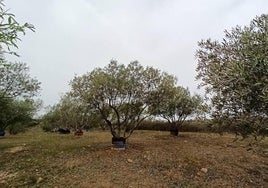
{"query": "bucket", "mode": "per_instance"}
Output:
(119, 143)
(2, 133)
(174, 132)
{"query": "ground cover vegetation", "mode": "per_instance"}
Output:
(152, 159)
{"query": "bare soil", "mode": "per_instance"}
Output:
(152, 159)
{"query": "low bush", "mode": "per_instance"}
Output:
(187, 126)
(47, 127)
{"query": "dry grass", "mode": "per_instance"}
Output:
(152, 159)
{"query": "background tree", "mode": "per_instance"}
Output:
(16, 115)
(235, 74)
(121, 94)
(176, 105)
(76, 115)
(15, 81)
(16, 90)
(51, 120)
(71, 113)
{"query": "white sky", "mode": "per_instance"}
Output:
(75, 36)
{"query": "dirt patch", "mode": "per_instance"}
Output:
(16, 149)
(151, 159)
(5, 176)
(72, 163)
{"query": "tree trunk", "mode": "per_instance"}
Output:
(174, 132)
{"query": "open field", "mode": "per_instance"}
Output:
(152, 159)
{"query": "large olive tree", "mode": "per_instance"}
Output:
(234, 72)
(122, 94)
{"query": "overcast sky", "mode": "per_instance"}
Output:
(75, 36)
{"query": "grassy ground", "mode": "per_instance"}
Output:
(152, 159)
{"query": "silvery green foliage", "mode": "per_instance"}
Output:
(15, 81)
(177, 104)
(122, 94)
(234, 72)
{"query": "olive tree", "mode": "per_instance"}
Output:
(51, 119)
(15, 81)
(234, 72)
(122, 94)
(16, 115)
(176, 105)
(71, 113)
(14, 77)
(16, 90)
(76, 115)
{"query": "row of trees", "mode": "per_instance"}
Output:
(121, 97)
(17, 88)
(233, 71)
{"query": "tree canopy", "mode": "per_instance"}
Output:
(234, 72)
(121, 94)
(71, 113)
(16, 85)
(176, 105)
(16, 90)
(14, 77)
(15, 81)
(16, 114)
